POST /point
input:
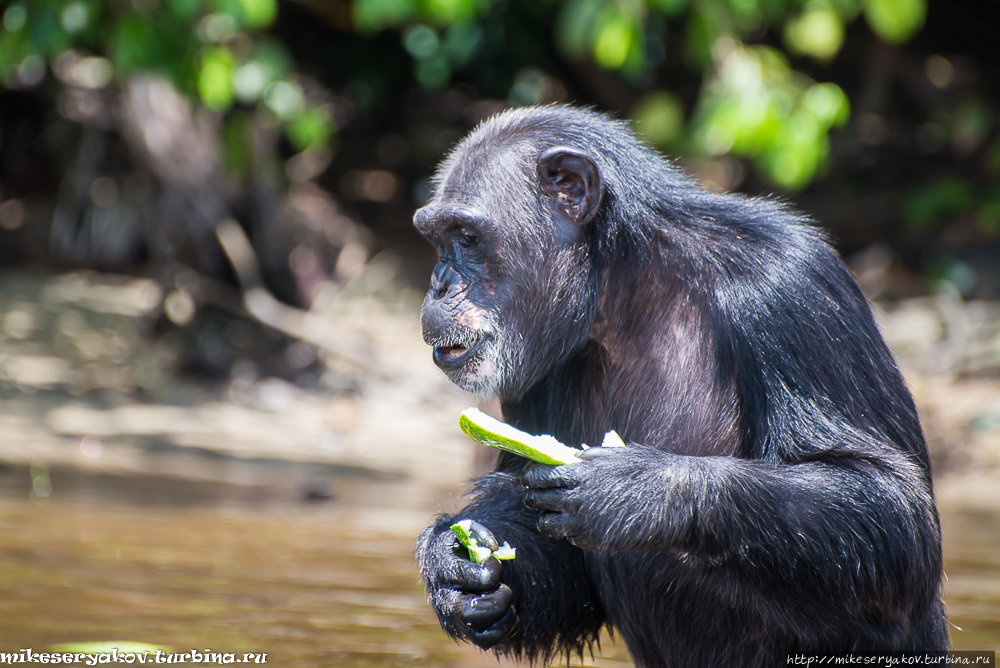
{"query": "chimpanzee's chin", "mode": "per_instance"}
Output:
(477, 375)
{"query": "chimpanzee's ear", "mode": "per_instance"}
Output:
(572, 181)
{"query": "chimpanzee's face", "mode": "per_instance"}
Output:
(510, 295)
(463, 312)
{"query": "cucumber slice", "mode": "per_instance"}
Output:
(480, 427)
(479, 553)
(612, 440)
(463, 532)
(505, 552)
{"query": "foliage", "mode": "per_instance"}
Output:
(757, 107)
(362, 97)
(932, 204)
(214, 49)
(753, 104)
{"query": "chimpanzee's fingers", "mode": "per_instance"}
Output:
(540, 476)
(554, 500)
(557, 525)
(481, 611)
(598, 452)
(499, 631)
(459, 572)
(483, 535)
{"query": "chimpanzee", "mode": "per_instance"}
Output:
(775, 495)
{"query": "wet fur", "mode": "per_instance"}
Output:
(720, 326)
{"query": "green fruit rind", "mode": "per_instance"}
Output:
(480, 427)
(479, 553)
(462, 532)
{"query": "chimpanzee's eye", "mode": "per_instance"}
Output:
(467, 237)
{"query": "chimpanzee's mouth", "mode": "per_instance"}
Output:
(454, 355)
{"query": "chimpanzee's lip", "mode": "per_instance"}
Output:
(451, 356)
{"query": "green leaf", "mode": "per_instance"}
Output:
(130, 44)
(758, 107)
(284, 98)
(374, 15)
(311, 128)
(258, 14)
(461, 42)
(15, 17)
(817, 32)
(972, 124)
(668, 7)
(238, 143)
(446, 12)
(616, 35)
(659, 117)
(526, 88)
(74, 16)
(827, 103)
(988, 214)
(798, 150)
(895, 21)
(215, 78)
(267, 63)
(433, 73)
(421, 41)
(273, 55)
(184, 9)
(574, 26)
(931, 204)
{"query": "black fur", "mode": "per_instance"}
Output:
(775, 496)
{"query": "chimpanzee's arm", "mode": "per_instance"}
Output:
(807, 542)
(555, 608)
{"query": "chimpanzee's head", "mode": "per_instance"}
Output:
(512, 294)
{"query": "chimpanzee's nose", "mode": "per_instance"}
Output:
(443, 279)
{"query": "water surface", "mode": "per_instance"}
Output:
(310, 580)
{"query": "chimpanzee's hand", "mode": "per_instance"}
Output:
(599, 503)
(469, 600)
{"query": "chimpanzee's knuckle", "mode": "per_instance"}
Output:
(531, 475)
(481, 611)
(472, 577)
(496, 633)
(553, 524)
(553, 500)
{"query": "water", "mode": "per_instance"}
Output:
(311, 583)
(972, 587)
(193, 565)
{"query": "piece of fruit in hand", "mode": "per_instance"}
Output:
(478, 552)
(545, 449)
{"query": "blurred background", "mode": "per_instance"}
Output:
(219, 427)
